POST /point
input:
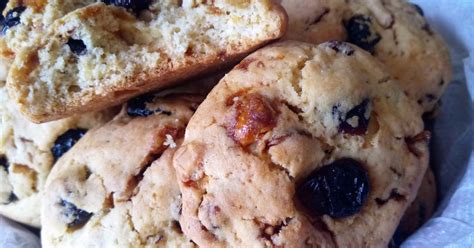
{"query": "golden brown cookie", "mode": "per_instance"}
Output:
(394, 31)
(107, 52)
(28, 151)
(301, 145)
(117, 186)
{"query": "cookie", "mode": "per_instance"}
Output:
(117, 186)
(27, 153)
(420, 210)
(24, 22)
(394, 31)
(106, 53)
(301, 145)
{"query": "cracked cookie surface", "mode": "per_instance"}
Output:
(28, 151)
(327, 119)
(394, 31)
(105, 53)
(116, 187)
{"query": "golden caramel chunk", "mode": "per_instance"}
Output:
(254, 116)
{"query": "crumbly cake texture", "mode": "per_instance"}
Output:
(116, 187)
(284, 113)
(33, 22)
(394, 31)
(101, 55)
(26, 156)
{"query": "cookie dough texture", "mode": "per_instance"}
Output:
(117, 187)
(395, 31)
(101, 55)
(25, 151)
(277, 117)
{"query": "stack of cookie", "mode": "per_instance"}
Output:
(226, 123)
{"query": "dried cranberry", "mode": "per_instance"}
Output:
(418, 9)
(360, 33)
(339, 189)
(4, 162)
(341, 47)
(137, 107)
(65, 141)
(12, 18)
(77, 46)
(356, 120)
(134, 5)
(75, 217)
(12, 198)
(3, 4)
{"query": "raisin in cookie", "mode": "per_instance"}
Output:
(301, 145)
(117, 186)
(27, 153)
(106, 53)
(394, 31)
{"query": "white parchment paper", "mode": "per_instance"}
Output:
(13, 235)
(452, 143)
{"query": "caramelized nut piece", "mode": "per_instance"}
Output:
(254, 116)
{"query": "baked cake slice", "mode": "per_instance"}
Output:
(105, 53)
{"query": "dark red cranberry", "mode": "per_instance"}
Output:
(3, 4)
(427, 28)
(339, 189)
(77, 46)
(134, 5)
(360, 33)
(356, 120)
(4, 162)
(137, 107)
(12, 18)
(67, 140)
(341, 47)
(418, 9)
(12, 198)
(76, 217)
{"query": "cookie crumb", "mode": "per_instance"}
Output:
(169, 141)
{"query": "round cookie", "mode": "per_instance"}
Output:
(27, 153)
(419, 211)
(117, 186)
(287, 118)
(394, 31)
